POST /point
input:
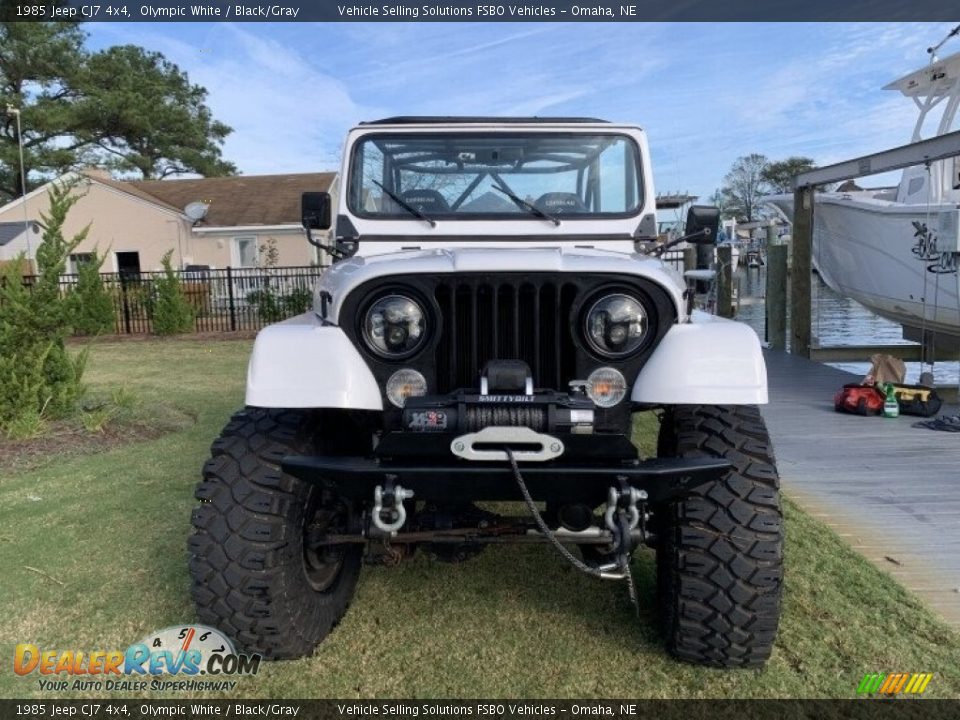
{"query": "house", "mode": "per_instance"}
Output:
(215, 222)
(18, 237)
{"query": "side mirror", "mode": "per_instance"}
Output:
(704, 222)
(315, 210)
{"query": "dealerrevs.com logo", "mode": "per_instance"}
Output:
(184, 652)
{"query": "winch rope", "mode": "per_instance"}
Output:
(477, 418)
(567, 555)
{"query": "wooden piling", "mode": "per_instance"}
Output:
(689, 258)
(772, 237)
(800, 271)
(725, 281)
(777, 296)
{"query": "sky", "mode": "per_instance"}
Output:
(705, 93)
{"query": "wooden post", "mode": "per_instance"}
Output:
(776, 296)
(689, 258)
(725, 281)
(233, 309)
(800, 271)
(771, 235)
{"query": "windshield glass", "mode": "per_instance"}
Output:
(454, 176)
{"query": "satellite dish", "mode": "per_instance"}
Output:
(196, 211)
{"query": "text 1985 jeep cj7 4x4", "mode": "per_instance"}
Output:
(489, 327)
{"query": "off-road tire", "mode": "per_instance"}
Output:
(720, 550)
(249, 575)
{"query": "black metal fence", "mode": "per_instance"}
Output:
(224, 300)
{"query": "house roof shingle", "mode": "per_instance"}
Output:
(10, 230)
(131, 189)
(233, 201)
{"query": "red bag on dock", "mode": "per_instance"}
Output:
(859, 399)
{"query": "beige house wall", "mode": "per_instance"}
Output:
(120, 222)
(218, 249)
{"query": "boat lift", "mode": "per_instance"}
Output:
(922, 152)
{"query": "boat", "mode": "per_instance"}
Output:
(895, 250)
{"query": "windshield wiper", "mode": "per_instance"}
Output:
(405, 205)
(529, 207)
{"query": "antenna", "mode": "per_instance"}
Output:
(196, 211)
(933, 50)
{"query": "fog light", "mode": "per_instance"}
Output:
(606, 387)
(406, 383)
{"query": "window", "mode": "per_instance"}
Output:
(245, 251)
(128, 264)
(76, 260)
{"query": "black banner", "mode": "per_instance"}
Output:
(864, 709)
(458, 10)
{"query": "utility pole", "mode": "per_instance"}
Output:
(23, 181)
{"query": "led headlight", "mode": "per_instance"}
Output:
(616, 325)
(606, 387)
(403, 384)
(395, 326)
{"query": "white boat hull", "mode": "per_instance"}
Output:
(868, 249)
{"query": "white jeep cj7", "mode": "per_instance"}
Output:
(496, 313)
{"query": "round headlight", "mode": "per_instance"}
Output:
(394, 326)
(403, 384)
(616, 325)
(606, 387)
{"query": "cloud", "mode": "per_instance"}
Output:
(706, 93)
(287, 112)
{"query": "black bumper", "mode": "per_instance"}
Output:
(663, 479)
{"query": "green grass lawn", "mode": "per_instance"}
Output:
(108, 533)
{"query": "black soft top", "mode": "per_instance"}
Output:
(448, 120)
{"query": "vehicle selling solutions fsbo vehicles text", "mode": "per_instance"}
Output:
(426, 11)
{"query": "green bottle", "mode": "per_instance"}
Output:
(891, 408)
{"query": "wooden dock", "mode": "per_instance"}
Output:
(890, 490)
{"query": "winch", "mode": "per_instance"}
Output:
(506, 399)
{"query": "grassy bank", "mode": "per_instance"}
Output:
(92, 556)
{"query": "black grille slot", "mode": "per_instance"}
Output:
(520, 319)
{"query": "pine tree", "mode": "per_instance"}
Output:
(38, 377)
(172, 312)
(89, 305)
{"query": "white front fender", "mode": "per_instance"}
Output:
(300, 363)
(710, 361)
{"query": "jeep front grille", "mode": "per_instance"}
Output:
(514, 319)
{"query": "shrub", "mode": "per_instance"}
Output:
(38, 377)
(269, 308)
(89, 304)
(273, 307)
(172, 312)
(297, 301)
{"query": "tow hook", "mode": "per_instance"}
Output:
(390, 501)
(622, 517)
